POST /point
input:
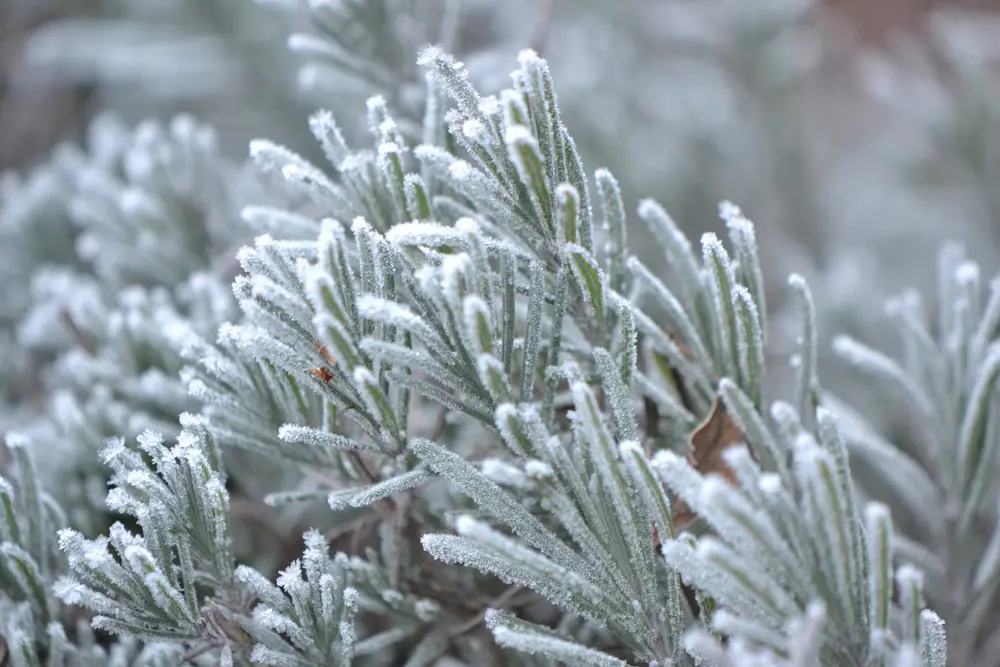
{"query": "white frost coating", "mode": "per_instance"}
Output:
(467, 225)
(876, 513)
(827, 417)
(299, 42)
(375, 308)
(388, 148)
(730, 212)
(473, 129)
(17, 440)
(769, 483)
(967, 273)
(664, 459)
(453, 266)
(490, 105)
(135, 202)
(714, 490)
(517, 134)
(536, 469)
(783, 412)
(907, 575)
(709, 548)
(527, 57)
(428, 54)
(354, 162)
(419, 233)
(505, 413)
(630, 447)
(712, 246)
(465, 525)
(387, 126)
(806, 449)
(460, 169)
(360, 226)
(505, 474)
(427, 610)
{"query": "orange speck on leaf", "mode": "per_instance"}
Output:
(323, 374)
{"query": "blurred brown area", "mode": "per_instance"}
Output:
(35, 115)
(876, 21)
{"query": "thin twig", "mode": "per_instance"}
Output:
(76, 333)
(199, 651)
(440, 424)
(337, 532)
(499, 603)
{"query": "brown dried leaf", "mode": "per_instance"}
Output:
(717, 433)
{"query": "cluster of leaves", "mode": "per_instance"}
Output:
(482, 282)
(146, 212)
(939, 474)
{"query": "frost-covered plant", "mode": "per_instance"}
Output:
(490, 285)
(151, 213)
(534, 448)
(35, 626)
(939, 473)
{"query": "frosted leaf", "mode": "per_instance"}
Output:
(933, 642)
(429, 54)
(490, 106)
(967, 273)
(291, 577)
(538, 640)
(680, 477)
(512, 430)
(518, 133)
(16, 440)
(140, 560)
(908, 656)
(498, 502)
(461, 170)
(261, 587)
(505, 474)
(388, 148)
(730, 212)
(114, 448)
(474, 130)
(167, 597)
(431, 234)
(539, 470)
(388, 487)
(488, 551)
(395, 314)
(879, 536)
(427, 610)
(272, 619)
(296, 433)
(590, 277)
(479, 326)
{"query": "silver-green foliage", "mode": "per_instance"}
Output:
(940, 471)
(487, 279)
(496, 276)
(149, 211)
